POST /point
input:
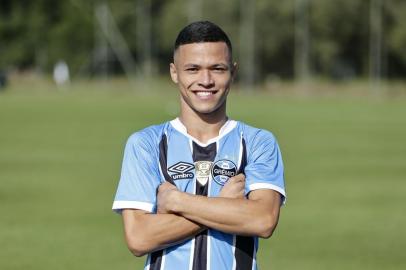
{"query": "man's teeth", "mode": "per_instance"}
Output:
(204, 94)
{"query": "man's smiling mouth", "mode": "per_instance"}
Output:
(205, 93)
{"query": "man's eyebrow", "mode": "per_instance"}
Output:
(224, 65)
(191, 65)
(216, 65)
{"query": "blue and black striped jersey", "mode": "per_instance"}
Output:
(167, 152)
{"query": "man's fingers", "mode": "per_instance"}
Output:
(166, 186)
(238, 178)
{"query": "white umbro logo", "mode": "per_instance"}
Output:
(181, 167)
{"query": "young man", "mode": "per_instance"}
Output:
(198, 191)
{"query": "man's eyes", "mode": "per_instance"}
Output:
(219, 69)
(192, 69)
(214, 69)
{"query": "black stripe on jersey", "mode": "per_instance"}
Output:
(244, 245)
(207, 153)
(201, 153)
(163, 159)
(156, 260)
(156, 257)
(244, 251)
(200, 251)
(243, 162)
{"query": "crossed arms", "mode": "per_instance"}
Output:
(181, 215)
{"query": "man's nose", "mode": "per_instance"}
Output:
(206, 79)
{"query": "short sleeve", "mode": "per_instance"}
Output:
(264, 169)
(140, 176)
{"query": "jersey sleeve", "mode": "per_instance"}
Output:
(140, 176)
(264, 169)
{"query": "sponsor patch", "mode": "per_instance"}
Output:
(181, 170)
(222, 170)
(202, 169)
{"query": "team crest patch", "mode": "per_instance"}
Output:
(181, 170)
(202, 169)
(222, 170)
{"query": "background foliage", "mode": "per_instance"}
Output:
(36, 34)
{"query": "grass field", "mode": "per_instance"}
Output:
(60, 155)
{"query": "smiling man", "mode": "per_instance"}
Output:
(197, 192)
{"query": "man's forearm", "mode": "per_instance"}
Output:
(257, 216)
(146, 232)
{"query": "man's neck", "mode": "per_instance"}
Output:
(203, 127)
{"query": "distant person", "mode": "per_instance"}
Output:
(197, 192)
(61, 73)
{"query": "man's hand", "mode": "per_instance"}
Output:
(165, 191)
(234, 188)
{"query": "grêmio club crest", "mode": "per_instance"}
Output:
(222, 170)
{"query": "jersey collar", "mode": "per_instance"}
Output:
(228, 126)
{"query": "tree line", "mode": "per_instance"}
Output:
(332, 38)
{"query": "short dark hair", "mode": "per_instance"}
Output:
(202, 31)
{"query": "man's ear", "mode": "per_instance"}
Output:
(234, 68)
(174, 73)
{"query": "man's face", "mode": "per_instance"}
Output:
(203, 72)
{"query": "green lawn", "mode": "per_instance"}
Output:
(60, 158)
